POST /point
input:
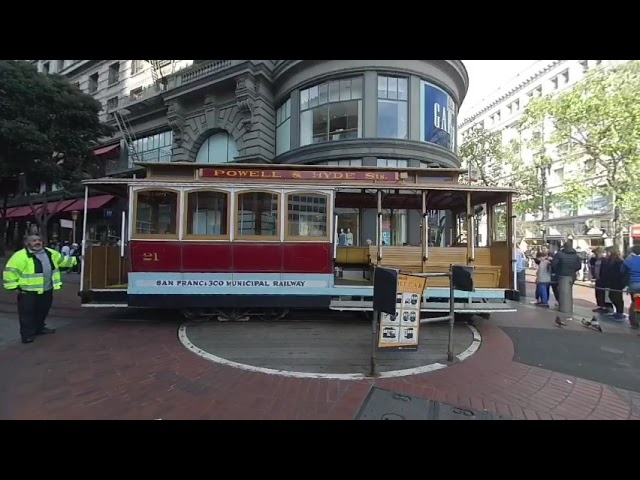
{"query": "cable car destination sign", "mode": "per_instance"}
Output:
(315, 175)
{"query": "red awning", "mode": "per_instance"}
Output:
(105, 150)
(26, 211)
(61, 206)
(93, 203)
(19, 212)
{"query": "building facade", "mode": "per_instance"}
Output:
(590, 225)
(328, 112)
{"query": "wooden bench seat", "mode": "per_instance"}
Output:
(352, 256)
(409, 260)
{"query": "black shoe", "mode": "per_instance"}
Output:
(27, 339)
(46, 330)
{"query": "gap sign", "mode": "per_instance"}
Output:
(438, 115)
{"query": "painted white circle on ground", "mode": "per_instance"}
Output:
(473, 348)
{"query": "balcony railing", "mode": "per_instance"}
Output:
(201, 70)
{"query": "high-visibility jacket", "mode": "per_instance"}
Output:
(24, 271)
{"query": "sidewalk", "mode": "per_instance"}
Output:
(524, 369)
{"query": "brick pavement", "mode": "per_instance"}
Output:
(105, 369)
(100, 368)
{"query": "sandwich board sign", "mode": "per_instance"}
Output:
(401, 329)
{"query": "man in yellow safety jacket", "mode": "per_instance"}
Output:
(34, 272)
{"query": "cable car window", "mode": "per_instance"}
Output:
(156, 213)
(307, 215)
(207, 214)
(257, 215)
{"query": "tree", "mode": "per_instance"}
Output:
(600, 119)
(48, 130)
(482, 153)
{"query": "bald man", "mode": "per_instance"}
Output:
(34, 272)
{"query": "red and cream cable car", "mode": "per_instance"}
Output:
(234, 241)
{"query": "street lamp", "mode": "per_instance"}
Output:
(74, 217)
(544, 171)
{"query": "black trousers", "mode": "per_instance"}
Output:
(600, 294)
(32, 311)
(617, 300)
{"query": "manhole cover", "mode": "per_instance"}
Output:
(386, 405)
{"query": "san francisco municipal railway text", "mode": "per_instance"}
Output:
(230, 283)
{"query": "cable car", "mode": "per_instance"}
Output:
(236, 241)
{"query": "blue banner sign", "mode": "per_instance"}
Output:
(438, 122)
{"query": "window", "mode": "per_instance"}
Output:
(558, 174)
(283, 128)
(307, 216)
(331, 111)
(153, 148)
(207, 214)
(156, 213)
(60, 65)
(535, 93)
(392, 107)
(392, 163)
(258, 215)
(93, 83)
(218, 148)
(135, 94)
(356, 162)
(136, 66)
(394, 228)
(114, 73)
(585, 65)
(112, 103)
(45, 67)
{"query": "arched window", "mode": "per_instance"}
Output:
(218, 148)
(156, 214)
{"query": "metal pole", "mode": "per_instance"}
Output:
(544, 204)
(84, 237)
(452, 307)
(374, 342)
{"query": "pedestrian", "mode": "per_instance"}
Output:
(543, 279)
(630, 270)
(565, 265)
(521, 272)
(614, 282)
(34, 272)
(595, 266)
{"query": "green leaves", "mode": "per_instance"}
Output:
(600, 116)
(48, 128)
(483, 152)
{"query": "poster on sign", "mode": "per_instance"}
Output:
(401, 330)
(438, 114)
